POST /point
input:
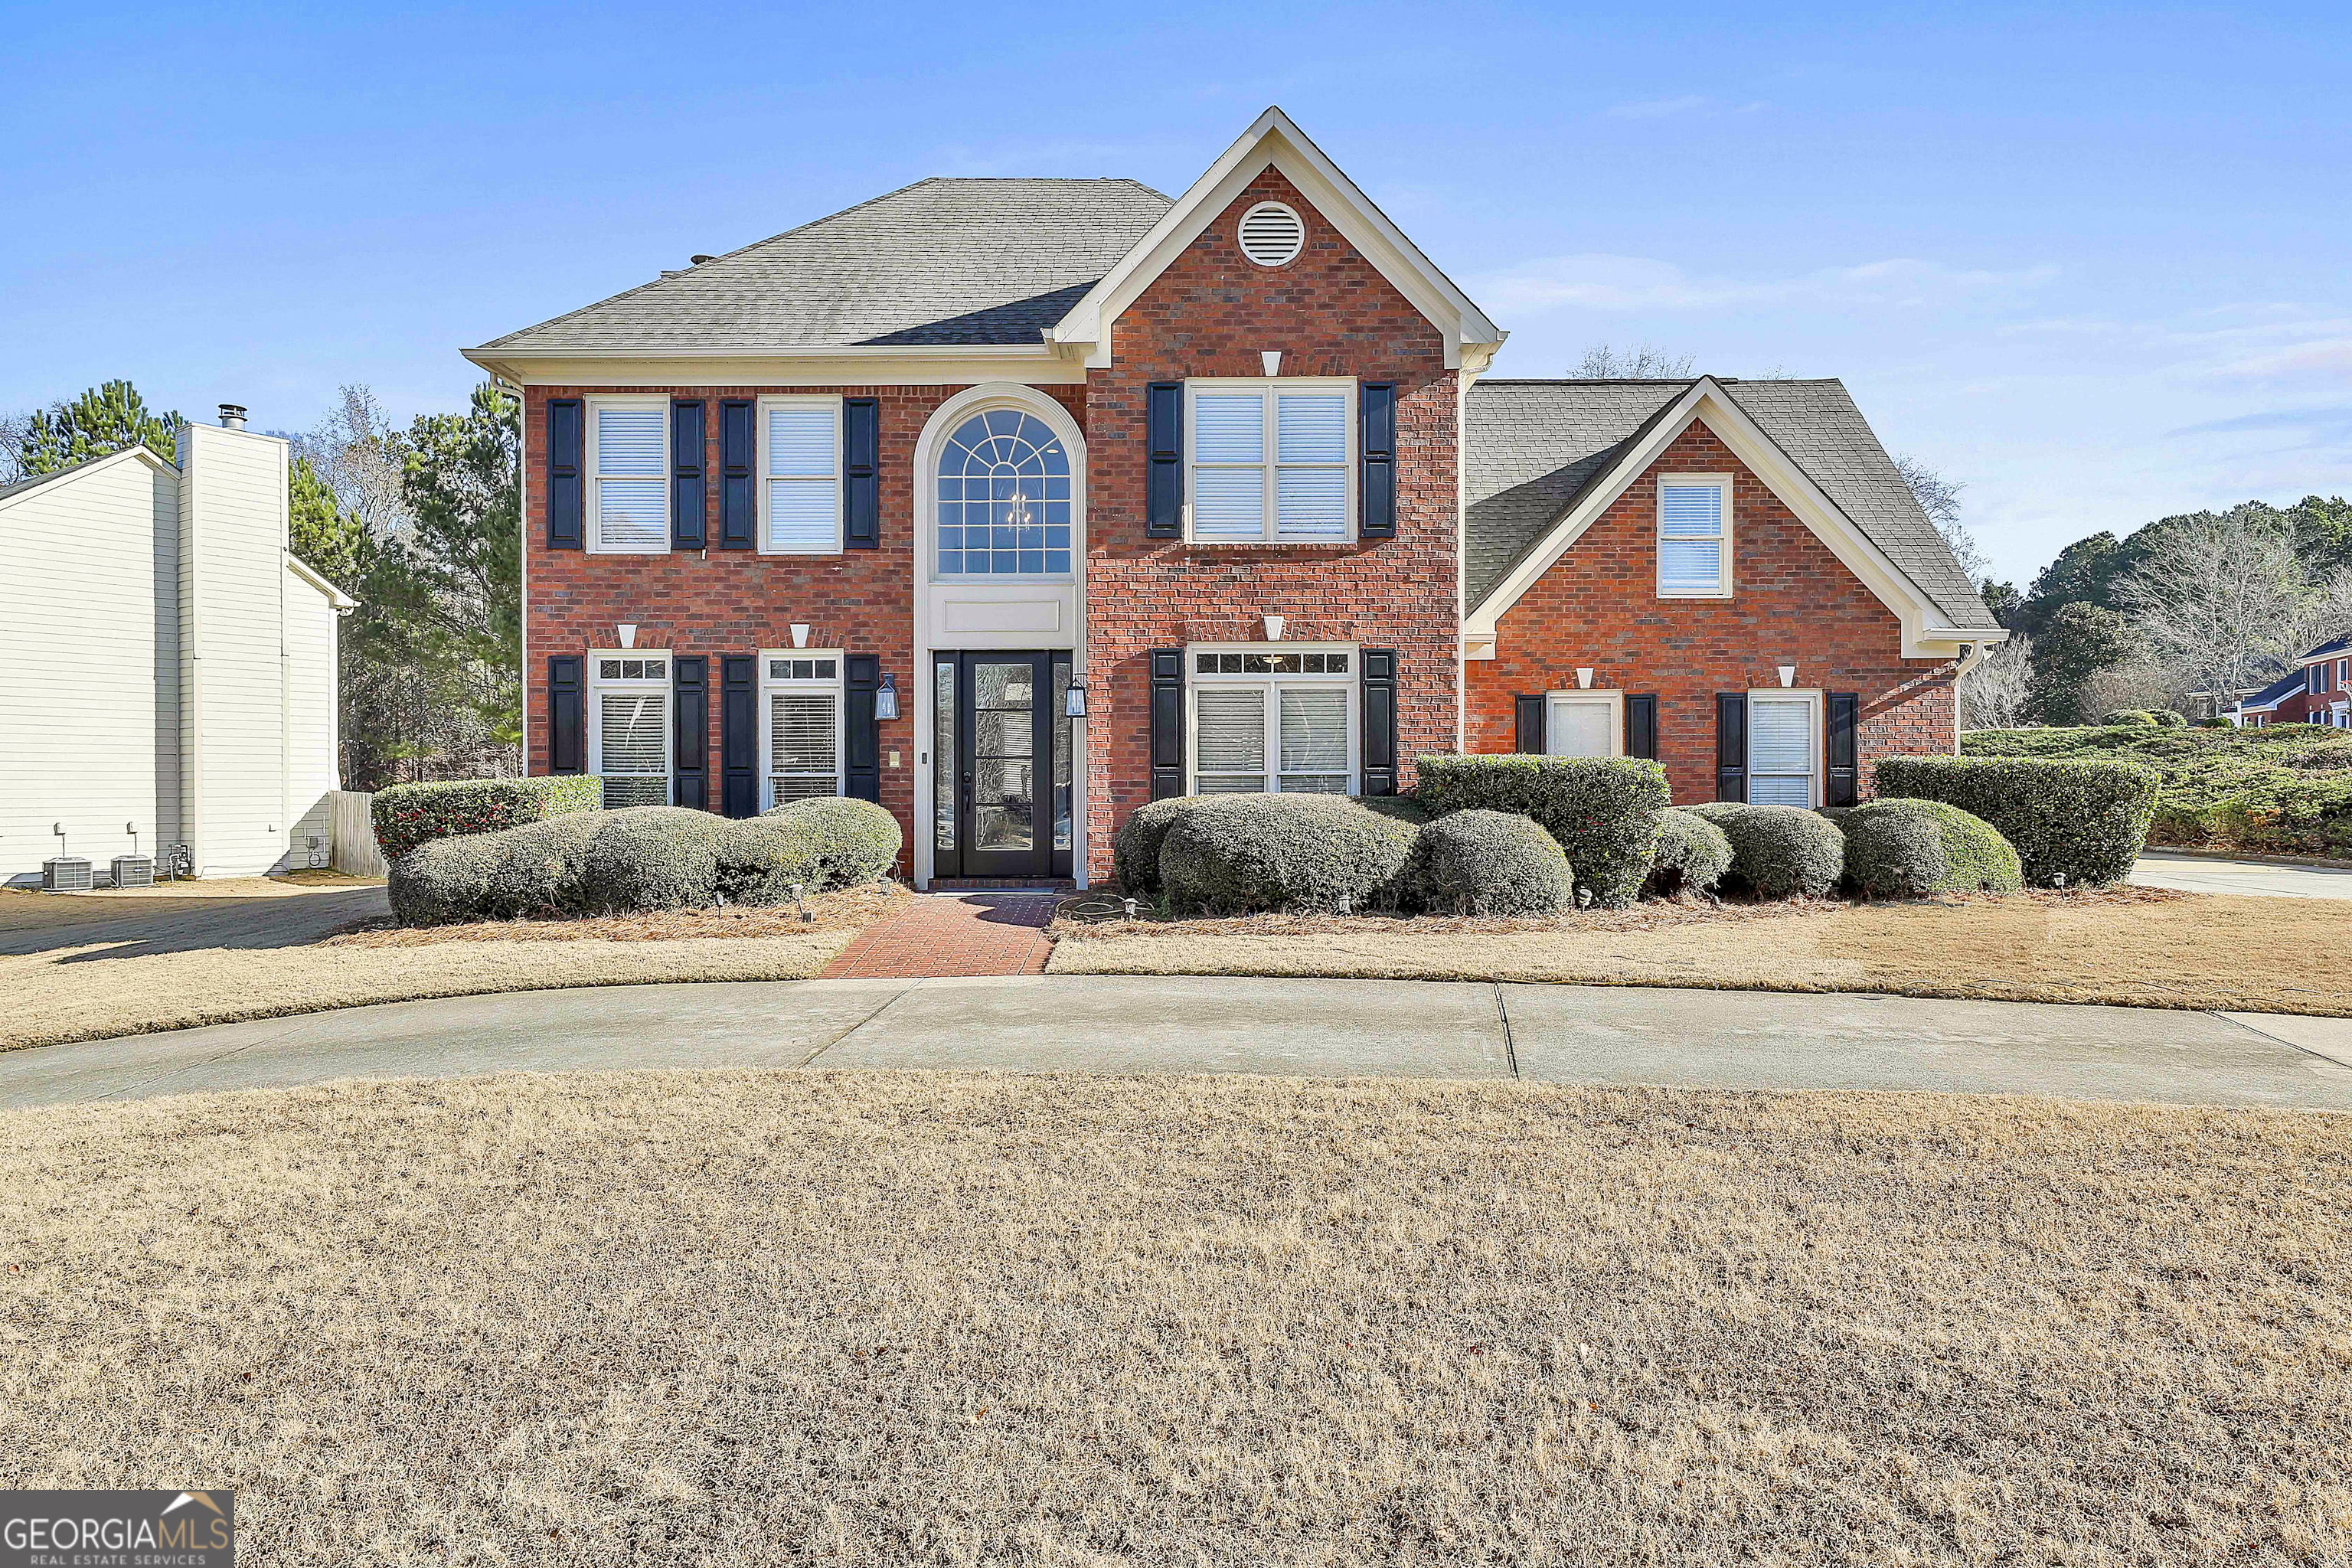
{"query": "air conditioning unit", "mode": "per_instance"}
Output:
(134, 870)
(65, 874)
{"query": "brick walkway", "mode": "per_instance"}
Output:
(944, 933)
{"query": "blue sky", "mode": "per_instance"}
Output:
(2097, 265)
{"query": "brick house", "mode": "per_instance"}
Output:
(2317, 691)
(1014, 503)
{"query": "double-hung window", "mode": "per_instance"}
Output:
(1272, 461)
(800, 725)
(1783, 747)
(1694, 537)
(1584, 723)
(629, 724)
(800, 476)
(628, 447)
(1273, 720)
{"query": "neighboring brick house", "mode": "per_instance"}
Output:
(1012, 504)
(2317, 691)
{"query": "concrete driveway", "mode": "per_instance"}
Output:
(232, 912)
(1122, 1023)
(2257, 878)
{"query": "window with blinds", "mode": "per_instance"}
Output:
(801, 719)
(1271, 461)
(1694, 538)
(800, 465)
(629, 448)
(1781, 748)
(632, 749)
(1261, 722)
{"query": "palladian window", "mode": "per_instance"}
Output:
(1003, 498)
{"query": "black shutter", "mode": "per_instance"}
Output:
(1845, 709)
(861, 476)
(739, 503)
(567, 727)
(1376, 502)
(689, 491)
(739, 734)
(1731, 745)
(861, 754)
(1641, 725)
(1380, 758)
(1529, 710)
(1167, 723)
(690, 743)
(566, 449)
(1163, 484)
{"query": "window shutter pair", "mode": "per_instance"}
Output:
(1842, 716)
(1163, 486)
(691, 731)
(1378, 771)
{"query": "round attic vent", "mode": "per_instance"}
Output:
(1272, 234)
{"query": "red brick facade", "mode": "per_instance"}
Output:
(1211, 314)
(1792, 601)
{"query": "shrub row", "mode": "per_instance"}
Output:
(1603, 811)
(2127, 717)
(2073, 823)
(1245, 854)
(646, 857)
(409, 815)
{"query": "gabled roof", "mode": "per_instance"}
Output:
(1535, 451)
(2290, 684)
(132, 453)
(2331, 649)
(938, 263)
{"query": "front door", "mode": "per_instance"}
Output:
(1003, 765)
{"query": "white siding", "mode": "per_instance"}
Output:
(233, 589)
(312, 773)
(88, 710)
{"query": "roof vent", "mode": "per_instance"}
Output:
(232, 415)
(697, 260)
(1272, 234)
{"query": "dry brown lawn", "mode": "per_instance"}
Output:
(871, 1318)
(2126, 947)
(847, 910)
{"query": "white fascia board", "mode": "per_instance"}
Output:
(1927, 632)
(927, 366)
(1273, 139)
(47, 484)
(341, 602)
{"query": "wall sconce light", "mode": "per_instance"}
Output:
(1271, 360)
(1074, 705)
(628, 630)
(1584, 678)
(1274, 628)
(800, 635)
(886, 700)
(1788, 675)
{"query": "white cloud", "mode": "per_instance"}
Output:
(1606, 282)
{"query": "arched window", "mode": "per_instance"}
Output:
(1004, 498)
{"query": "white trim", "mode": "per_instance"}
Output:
(717, 365)
(1270, 389)
(1349, 680)
(926, 482)
(1612, 701)
(1721, 484)
(770, 684)
(1811, 696)
(1927, 632)
(343, 604)
(596, 684)
(759, 468)
(42, 483)
(1274, 139)
(593, 475)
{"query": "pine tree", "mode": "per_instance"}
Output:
(105, 419)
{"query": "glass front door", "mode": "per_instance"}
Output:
(1001, 762)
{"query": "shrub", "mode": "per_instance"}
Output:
(1778, 851)
(1244, 853)
(1693, 854)
(1898, 849)
(2171, 718)
(1487, 863)
(409, 815)
(646, 857)
(1135, 847)
(2127, 716)
(1603, 811)
(2073, 821)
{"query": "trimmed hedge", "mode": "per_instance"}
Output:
(1603, 811)
(2127, 716)
(646, 857)
(1693, 855)
(1899, 848)
(409, 815)
(2073, 823)
(1249, 854)
(1778, 851)
(1487, 863)
(1135, 847)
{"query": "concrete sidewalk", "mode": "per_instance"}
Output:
(1122, 1024)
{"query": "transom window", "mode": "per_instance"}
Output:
(629, 717)
(801, 724)
(1278, 724)
(629, 452)
(1271, 461)
(1694, 537)
(800, 469)
(1783, 745)
(1003, 498)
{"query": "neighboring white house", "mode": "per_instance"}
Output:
(170, 665)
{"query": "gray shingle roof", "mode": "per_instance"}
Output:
(2278, 691)
(1532, 449)
(944, 261)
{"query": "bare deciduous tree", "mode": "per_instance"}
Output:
(1993, 696)
(360, 453)
(1939, 497)
(2218, 600)
(1643, 362)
